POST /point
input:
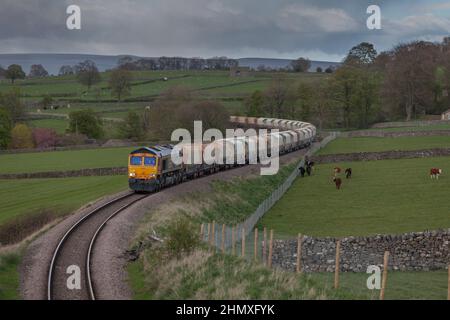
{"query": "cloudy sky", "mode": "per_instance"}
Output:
(320, 30)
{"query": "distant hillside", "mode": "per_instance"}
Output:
(282, 63)
(52, 62)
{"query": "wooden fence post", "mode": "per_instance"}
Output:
(448, 288)
(255, 248)
(385, 273)
(299, 253)
(243, 242)
(233, 242)
(270, 249)
(222, 245)
(209, 233)
(264, 248)
(337, 264)
(202, 231)
(213, 235)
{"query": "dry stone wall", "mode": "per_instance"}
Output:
(420, 251)
(67, 174)
(384, 155)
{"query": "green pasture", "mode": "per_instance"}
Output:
(58, 125)
(20, 198)
(64, 160)
(400, 285)
(383, 197)
(372, 144)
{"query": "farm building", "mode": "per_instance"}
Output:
(240, 71)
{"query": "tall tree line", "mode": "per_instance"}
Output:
(405, 83)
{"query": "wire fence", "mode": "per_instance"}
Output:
(223, 236)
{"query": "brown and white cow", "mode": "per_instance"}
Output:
(435, 173)
(338, 182)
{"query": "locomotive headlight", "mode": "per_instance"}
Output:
(132, 174)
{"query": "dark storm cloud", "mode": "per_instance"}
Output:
(320, 29)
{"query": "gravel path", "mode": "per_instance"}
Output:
(108, 263)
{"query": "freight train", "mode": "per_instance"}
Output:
(151, 168)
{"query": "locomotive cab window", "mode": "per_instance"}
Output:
(165, 165)
(135, 161)
(150, 161)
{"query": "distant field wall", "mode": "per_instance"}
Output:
(67, 174)
(384, 155)
(422, 251)
(406, 133)
(409, 124)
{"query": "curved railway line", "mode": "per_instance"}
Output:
(75, 247)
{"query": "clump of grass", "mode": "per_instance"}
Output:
(9, 276)
(181, 238)
(203, 275)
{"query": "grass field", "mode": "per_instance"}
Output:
(149, 83)
(146, 86)
(400, 286)
(23, 197)
(387, 197)
(64, 160)
(350, 145)
(59, 126)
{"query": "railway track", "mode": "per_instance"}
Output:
(75, 250)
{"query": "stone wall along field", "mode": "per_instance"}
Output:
(384, 155)
(67, 174)
(421, 251)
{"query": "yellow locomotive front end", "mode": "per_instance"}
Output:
(143, 170)
(151, 168)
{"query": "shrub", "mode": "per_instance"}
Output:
(5, 128)
(22, 137)
(86, 122)
(181, 238)
(45, 137)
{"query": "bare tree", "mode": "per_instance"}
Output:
(87, 73)
(410, 78)
(276, 96)
(301, 65)
(120, 83)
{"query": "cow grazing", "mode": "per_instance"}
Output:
(435, 173)
(302, 172)
(337, 171)
(338, 182)
(310, 164)
(348, 173)
(309, 170)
